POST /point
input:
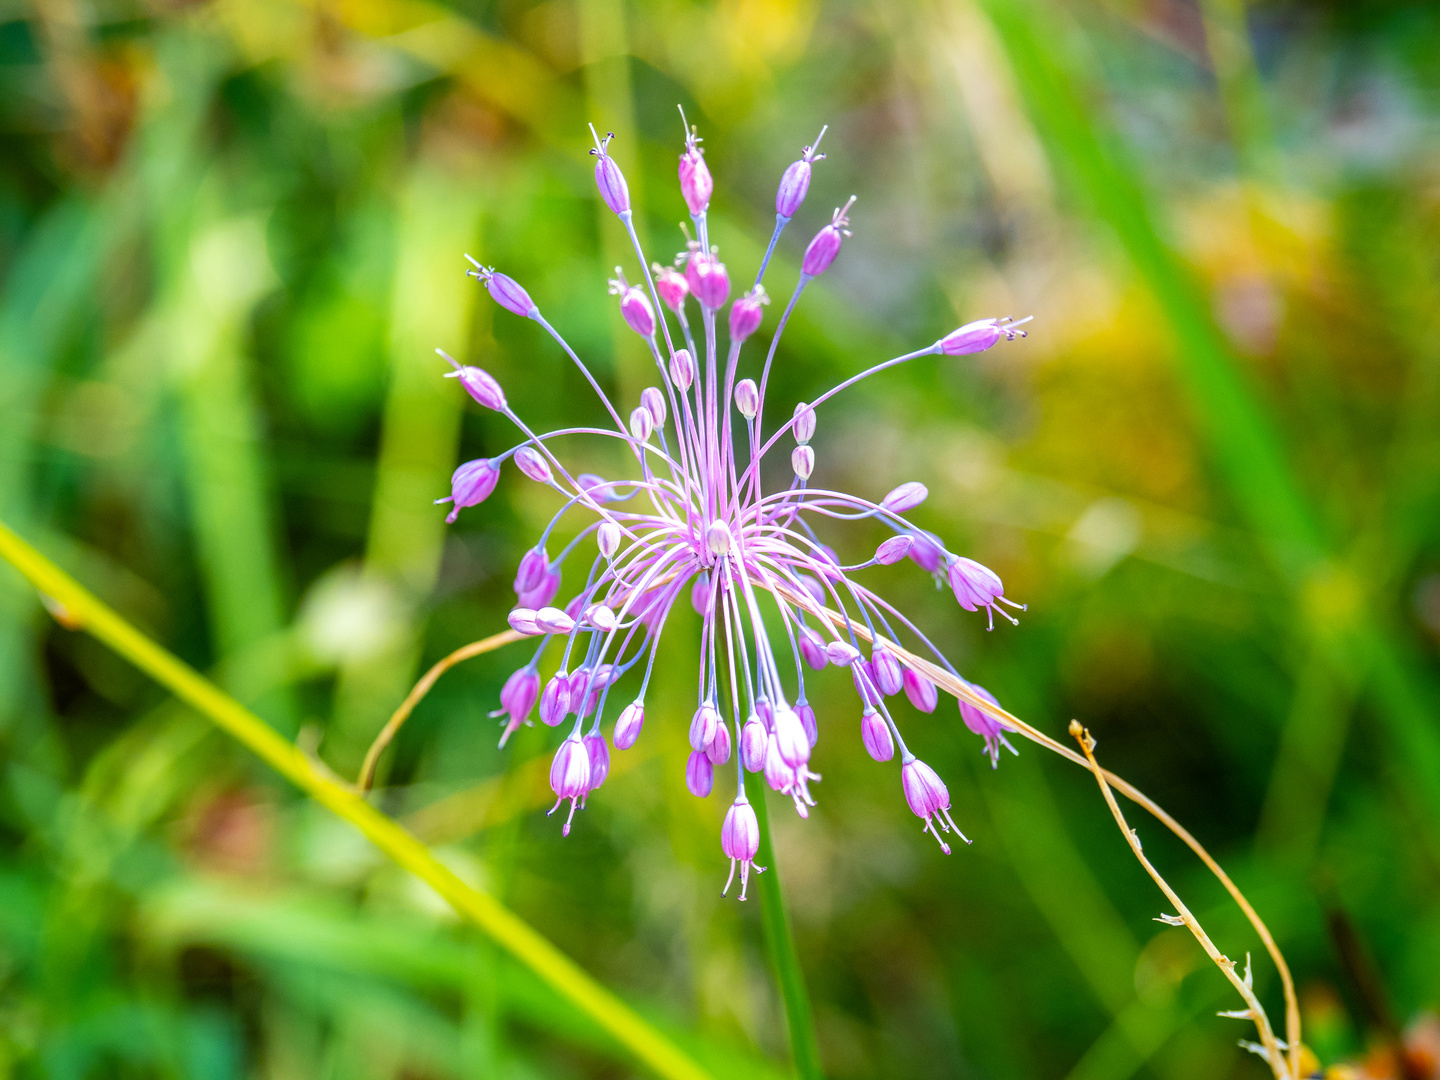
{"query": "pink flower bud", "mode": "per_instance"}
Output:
(863, 675)
(718, 750)
(789, 735)
(599, 755)
(718, 538)
(671, 286)
(682, 369)
(506, 291)
(555, 701)
(804, 420)
(747, 398)
(754, 741)
(746, 313)
(826, 245)
(906, 497)
(543, 593)
(641, 422)
(471, 484)
(780, 776)
(608, 177)
(700, 597)
(627, 728)
(889, 675)
(653, 401)
(984, 725)
(892, 550)
(479, 384)
(802, 460)
(928, 799)
(533, 565)
(554, 621)
(699, 774)
(975, 586)
(842, 653)
(740, 842)
(522, 621)
(517, 698)
(926, 552)
(607, 538)
(979, 335)
(921, 691)
(533, 464)
(708, 280)
(636, 310)
(601, 617)
(597, 487)
(807, 721)
(796, 181)
(812, 648)
(813, 587)
(570, 776)
(875, 734)
(703, 726)
(695, 182)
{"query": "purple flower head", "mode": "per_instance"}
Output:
(986, 726)
(928, 799)
(695, 183)
(478, 383)
(695, 507)
(796, 182)
(980, 335)
(746, 313)
(740, 841)
(471, 485)
(608, 177)
(826, 245)
(507, 293)
(570, 776)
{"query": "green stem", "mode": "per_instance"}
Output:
(780, 942)
(508, 930)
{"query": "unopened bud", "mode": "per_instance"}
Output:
(826, 245)
(682, 369)
(522, 620)
(641, 422)
(708, 280)
(654, 402)
(478, 383)
(554, 621)
(906, 497)
(471, 484)
(695, 182)
(533, 464)
(802, 460)
(608, 177)
(718, 538)
(506, 291)
(842, 653)
(671, 286)
(804, 423)
(746, 313)
(607, 538)
(747, 398)
(875, 734)
(893, 550)
(635, 309)
(796, 181)
(601, 617)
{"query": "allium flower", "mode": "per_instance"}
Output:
(709, 517)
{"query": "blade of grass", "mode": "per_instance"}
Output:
(511, 932)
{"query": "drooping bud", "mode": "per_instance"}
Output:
(802, 460)
(863, 675)
(747, 398)
(653, 401)
(807, 721)
(641, 422)
(701, 598)
(695, 182)
(985, 725)
(597, 487)
(607, 538)
(522, 621)
(601, 617)
(790, 739)
(889, 675)
(671, 286)
(875, 734)
(543, 593)
(555, 701)
(718, 539)
(718, 751)
(682, 369)
(796, 182)
(842, 653)
(517, 698)
(635, 307)
(533, 464)
(533, 565)
(699, 774)
(921, 691)
(906, 497)
(478, 383)
(926, 552)
(893, 550)
(929, 799)
(708, 279)
(703, 726)
(780, 776)
(570, 776)
(812, 648)
(754, 741)
(554, 621)
(627, 728)
(978, 336)
(804, 420)
(608, 177)
(599, 755)
(740, 841)
(826, 245)
(471, 484)
(746, 313)
(505, 290)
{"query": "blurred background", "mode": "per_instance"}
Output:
(231, 235)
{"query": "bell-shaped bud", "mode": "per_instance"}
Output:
(975, 586)
(554, 621)
(754, 741)
(807, 721)
(779, 775)
(641, 422)
(478, 383)
(718, 750)
(789, 735)
(926, 552)
(746, 313)
(863, 675)
(608, 177)
(826, 245)
(889, 675)
(921, 691)
(653, 402)
(533, 464)
(533, 565)
(893, 550)
(607, 538)
(906, 497)
(842, 653)
(804, 423)
(703, 726)
(517, 698)
(747, 398)
(718, 538)
(599, 759)
(699, 774)
(627, 728)
(928, 799)
(555, 701)
(471, 484)
(802, 460)
(979, 335)
(812, 648)
(682, 369)
(506, 291)
(695, 183)
(796, 182)
(875, 733)
(570, 776)
(708, 280)
(671, 286)
(522, 621)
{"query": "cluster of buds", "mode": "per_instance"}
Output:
(696, 522)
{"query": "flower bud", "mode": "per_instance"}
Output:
(671, 286)
(700, 596)
(533, 464)
(682, 369)
(875, 734)
(570, 775)
(754, 741)
(708, 280)
(906, 497)
(796, 181)
(747, 398)
(641, 422)
(892, 550)
(841, 653)
(807, 721)
(522, 621)
(517, 698)
(607, 538)
(506, 291)
(780, 776)
(554, 621)
(812, 648)
(544, 592)
(555, 701)
(979, 335)
(703, 726)
(921, 691)
(533, 566)
(478, 383)
(718, 750)
(608, 177)
(654, 403)
(599, 759)
(804, 421)
(601, 617)
(699, 774)
(802, 460)
(627, 728)
(826, 245)
(790, 739)
(926, 552)
(597, 487)
(718, 539)
(471, 485)
(863, 675)
(889, 675)
(746, 313)
(695, 182)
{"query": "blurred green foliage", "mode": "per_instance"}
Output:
(230, 237)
